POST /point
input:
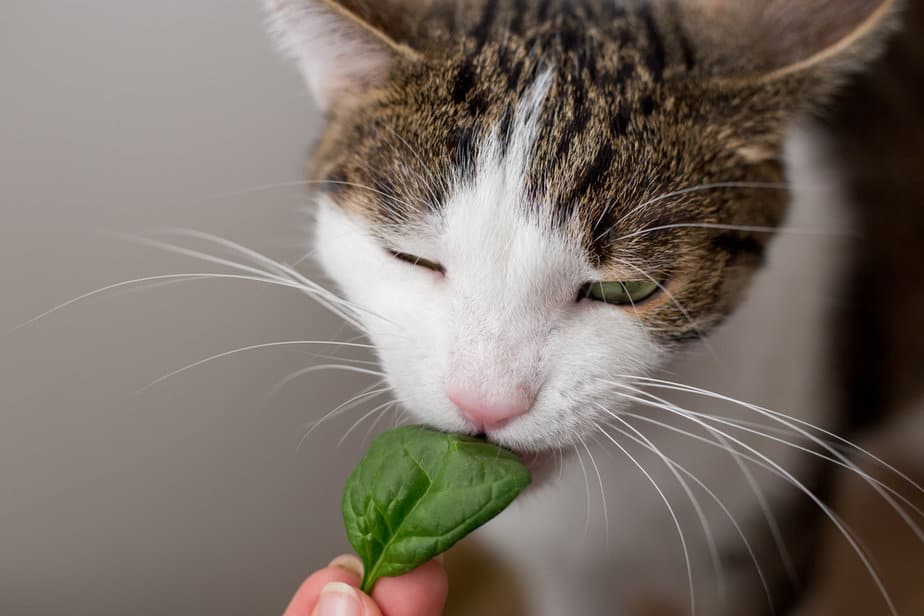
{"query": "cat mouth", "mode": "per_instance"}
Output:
(536, 460)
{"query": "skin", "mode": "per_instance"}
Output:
(334, 591)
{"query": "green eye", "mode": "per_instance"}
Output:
(621, 293)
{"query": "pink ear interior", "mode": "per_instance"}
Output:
(339, 53)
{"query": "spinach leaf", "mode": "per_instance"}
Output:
(417, 492)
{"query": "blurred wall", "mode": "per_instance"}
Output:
(191, 497)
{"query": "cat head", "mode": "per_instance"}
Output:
(529, 200)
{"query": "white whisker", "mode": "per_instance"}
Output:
(667, 503)
(872, 481)
(393, 407)
(697, 508)
(879, 487)
(379, 409)
(714, 496)
(587, 489)
(359, 362)
(160, 278)
(606, 515)
(350, 404)
(319, 368)
(829, 513)
(701, 188)
(268, 345)
(776, 415)
(326, 298)
(767, 511)
(722, 227)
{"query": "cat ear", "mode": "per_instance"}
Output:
(777, 38)
(343, 47)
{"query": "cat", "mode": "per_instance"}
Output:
(566, 223)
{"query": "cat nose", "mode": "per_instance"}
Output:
(487, 414)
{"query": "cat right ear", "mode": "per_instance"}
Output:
(343, 47)
(774, 39)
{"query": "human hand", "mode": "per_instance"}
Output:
(334, 591)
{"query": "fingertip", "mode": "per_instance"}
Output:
(339, 599)
(306, 598)
(421, 592)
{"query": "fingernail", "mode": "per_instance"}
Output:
(339, 599)
(349, 563)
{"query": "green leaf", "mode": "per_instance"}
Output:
(417, 492)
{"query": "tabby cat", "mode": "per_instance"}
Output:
(606, 234)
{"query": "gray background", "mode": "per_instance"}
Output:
(192, 497)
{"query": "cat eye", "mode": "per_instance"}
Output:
(418, 261)
(620, 293)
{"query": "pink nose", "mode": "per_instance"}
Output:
(490, 414)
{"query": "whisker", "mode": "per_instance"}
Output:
(667, 503)
(319, 368)
(398, 418)
(254, 347)
(587, 489)
(350, 404)
(872, 481)
(393, 407)
(703, 520)
(829, 513)
(257, 258)
(606, 515)
(701, 188)
(136, 281)
(883, 490)
(747, 544)
(767, 511)
(281, 269)
(141, 288)
(323, 296)
(781, 418)
(723, 227)
(379, 409)
(352, 360)
(359, 362)
(310, 286)
(196, 254)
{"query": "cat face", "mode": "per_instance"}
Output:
(528, 203)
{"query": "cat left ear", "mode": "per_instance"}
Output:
(343, 47)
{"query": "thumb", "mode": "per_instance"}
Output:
(340, 599)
